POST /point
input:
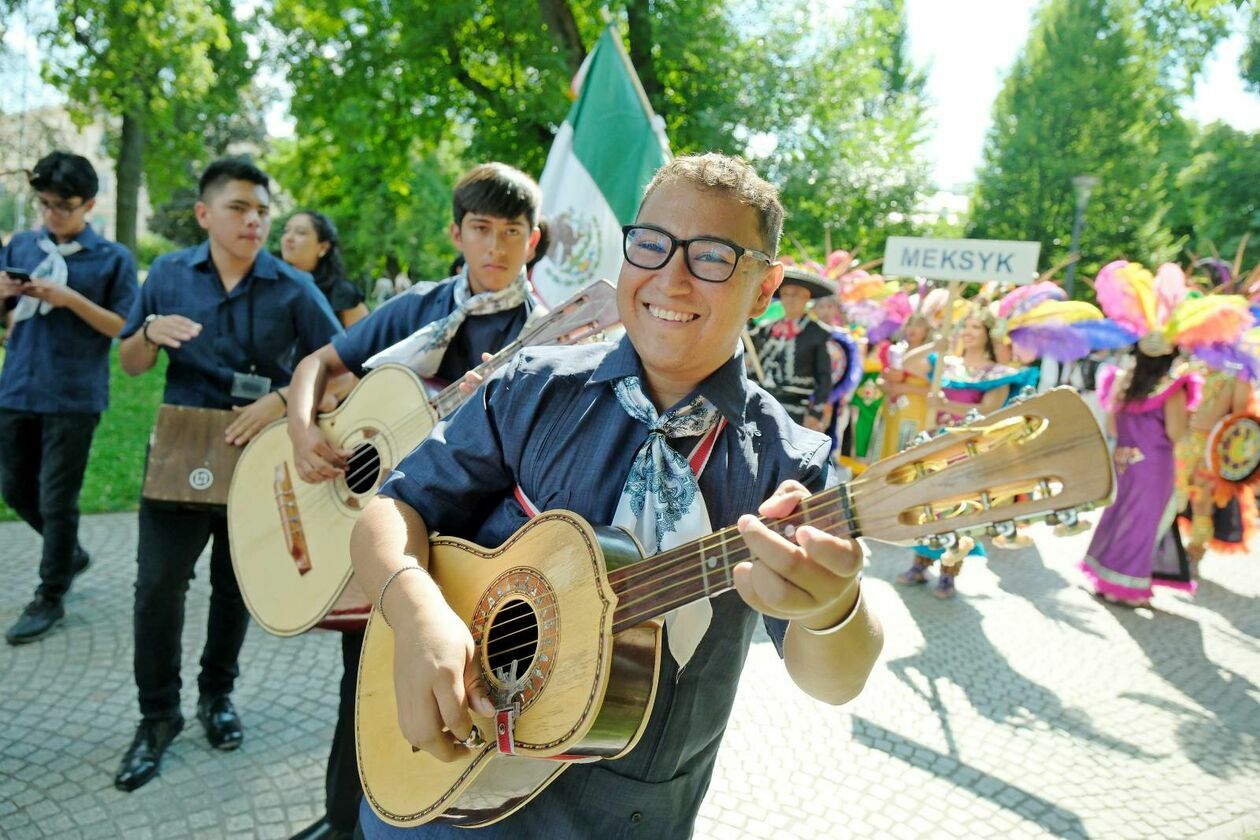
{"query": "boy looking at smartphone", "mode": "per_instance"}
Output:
(55, 380)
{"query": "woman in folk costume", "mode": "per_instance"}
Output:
(793, 350)
(972, 380)
(861, 293)
(905, 406)
(1149, 406)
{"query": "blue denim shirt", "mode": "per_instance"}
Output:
(404, 314)
(291, 319)
(551, 423)
(56, 362)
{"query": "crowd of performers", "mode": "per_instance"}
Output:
(1169, 361)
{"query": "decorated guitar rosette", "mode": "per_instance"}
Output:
(1233, 450)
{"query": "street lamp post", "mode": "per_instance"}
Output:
(1083, 185)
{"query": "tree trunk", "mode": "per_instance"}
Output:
(558, 17)
(640, 19)
(129, 171)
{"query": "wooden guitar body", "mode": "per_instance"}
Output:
(544, 634)
(290, 540)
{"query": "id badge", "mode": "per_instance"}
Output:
(250, 386)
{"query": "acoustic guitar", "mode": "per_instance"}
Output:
(565, 617)
(290, 540)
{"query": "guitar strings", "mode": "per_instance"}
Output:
(312, 497)
(664, 576)
(680, 563)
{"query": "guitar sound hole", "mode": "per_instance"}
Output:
(363, 468)
(512, 640)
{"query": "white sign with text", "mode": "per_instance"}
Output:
(979, 260)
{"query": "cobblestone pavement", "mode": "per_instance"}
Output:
(1024, 708)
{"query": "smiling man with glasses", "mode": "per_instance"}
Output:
(605, 431)
(55, 380)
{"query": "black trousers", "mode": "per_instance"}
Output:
(171, 539)
(343, 790)
(42, 461)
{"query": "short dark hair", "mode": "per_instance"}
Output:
(496, 189)
(67, 175)
(231, 169)
(733, 176)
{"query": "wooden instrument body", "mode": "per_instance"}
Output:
(585, 693)
(189, 461)
(290, 540)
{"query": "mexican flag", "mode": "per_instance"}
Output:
(606, 151)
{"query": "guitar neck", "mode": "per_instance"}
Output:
(451, 397)
(702, 568)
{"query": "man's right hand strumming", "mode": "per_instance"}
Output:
(436, 675)
(315, 458)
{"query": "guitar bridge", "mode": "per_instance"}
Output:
(291, 520)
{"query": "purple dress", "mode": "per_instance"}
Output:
(1121, 555)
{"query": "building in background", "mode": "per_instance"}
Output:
(26, 137)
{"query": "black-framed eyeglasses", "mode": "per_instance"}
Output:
(711, 260)
(57, 208)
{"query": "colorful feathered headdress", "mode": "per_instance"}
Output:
(1159, 309)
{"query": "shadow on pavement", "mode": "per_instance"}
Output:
(1238, 610)
(1058, 821)
(956, 649)
(1225, 741)
(1022, 572)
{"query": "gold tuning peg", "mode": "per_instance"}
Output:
(1080, 526)
(955, 555)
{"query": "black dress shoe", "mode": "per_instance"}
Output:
(144, 757)
(36, 621)
(223, 725)
(323, 830)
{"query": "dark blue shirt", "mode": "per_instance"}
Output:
(403, 314)
(56, 362)
(551, 423)
(291, 319)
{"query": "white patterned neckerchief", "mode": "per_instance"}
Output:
(422, 351)
(53, 269)
(661, 503)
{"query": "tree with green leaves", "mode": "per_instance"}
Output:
(1093, 92)
(376, 96)
(169, 72)
(1215, 193)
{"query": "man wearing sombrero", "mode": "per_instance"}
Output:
(793, 350)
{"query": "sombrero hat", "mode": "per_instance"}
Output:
(817, 286)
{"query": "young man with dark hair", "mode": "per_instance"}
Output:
(441, 333)
(232, 319)
(55, 380)
(603, 430)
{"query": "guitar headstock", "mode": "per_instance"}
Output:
(1044, 456)
(586, 313)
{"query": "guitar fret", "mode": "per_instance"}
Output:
(704, 569)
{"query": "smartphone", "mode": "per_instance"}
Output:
(19, 275)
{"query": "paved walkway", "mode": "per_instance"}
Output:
(1023, 709)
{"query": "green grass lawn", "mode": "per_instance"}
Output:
(116, 467)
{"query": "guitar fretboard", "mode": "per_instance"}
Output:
(451, 397)
(702, 567)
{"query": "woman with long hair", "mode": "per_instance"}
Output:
(1148, 408)
(905, 406)
(974, 379)
(310, 243)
